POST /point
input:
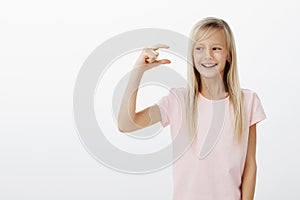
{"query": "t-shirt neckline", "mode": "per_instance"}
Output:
(213, 100)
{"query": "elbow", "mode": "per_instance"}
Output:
(124, 129)
(250, 169)
(124, 126)
(251, 165)
(121, 129)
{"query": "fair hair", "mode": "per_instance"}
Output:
(202, 30)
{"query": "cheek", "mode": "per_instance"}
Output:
(197, 57)
(223, 56)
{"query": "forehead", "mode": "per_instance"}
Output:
(212, 36)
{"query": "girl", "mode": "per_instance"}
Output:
(219, 116)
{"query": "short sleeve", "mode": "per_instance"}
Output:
(257, 113)
(167, 105)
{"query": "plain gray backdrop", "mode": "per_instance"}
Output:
(42, 47)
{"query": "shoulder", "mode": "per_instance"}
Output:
(251, 99)
(178, 91)
(248, 92)
(249, 95)
(174, 97)
(253, 106)
(173, 102)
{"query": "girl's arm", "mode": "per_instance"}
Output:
(129, 120)
(249, 175)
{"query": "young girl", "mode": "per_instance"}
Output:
(219, 116)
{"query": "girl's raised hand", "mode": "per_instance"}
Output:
(148, 57)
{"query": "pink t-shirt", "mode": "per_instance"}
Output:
(213, 168)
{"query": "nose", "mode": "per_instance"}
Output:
(208, 54)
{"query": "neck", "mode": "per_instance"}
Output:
(213, 88)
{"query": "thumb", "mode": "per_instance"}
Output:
(163, 61)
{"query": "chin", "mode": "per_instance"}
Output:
(209, 73)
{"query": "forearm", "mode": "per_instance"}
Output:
(128, 119)
(128, 104)
(248, 182)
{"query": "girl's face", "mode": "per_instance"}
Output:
(210, 55)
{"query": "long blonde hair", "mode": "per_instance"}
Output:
(230, 77)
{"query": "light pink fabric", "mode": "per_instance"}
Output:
(216, 173)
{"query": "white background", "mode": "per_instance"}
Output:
(42, 47)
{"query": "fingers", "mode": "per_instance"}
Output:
(158, 46)
(150, 54)
(157, 63)
(163, 61)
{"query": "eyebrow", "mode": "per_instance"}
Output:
(218, 44)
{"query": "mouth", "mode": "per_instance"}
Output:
(209, 65)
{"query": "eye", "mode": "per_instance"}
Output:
(216, 48)
(199, 48)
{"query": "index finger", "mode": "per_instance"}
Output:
(158, 46)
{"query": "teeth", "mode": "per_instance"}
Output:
(208, 64)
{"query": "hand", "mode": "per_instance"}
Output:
(148, 57)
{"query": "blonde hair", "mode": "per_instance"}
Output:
(202, 30)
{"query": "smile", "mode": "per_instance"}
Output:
(208, 65)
